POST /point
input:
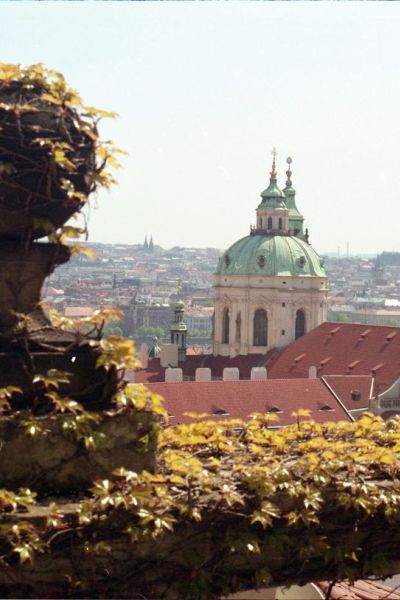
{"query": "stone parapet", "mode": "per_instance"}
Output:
(57, 459)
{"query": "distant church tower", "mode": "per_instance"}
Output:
(271, 286)
(179, 330)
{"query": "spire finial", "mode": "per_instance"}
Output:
(289, 172)
(274, 153)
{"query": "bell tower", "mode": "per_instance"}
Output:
(179, 331)
(296, 220)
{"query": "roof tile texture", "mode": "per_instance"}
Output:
(352, 349)
(238, 399)
(347, 386)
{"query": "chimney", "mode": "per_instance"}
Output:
(173, 375)
(130, 375)
(203, 374)
(312, 372)
(169, 355)
(258, 374)
(230, 374)
(144, 355)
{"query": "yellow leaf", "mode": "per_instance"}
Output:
(195, 415)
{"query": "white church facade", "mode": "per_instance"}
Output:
(270, 287)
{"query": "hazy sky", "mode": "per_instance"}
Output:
(206, 89)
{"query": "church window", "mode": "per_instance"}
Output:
(225, 326)
(301, 262)
(260, 333)
(261, 260)
(283, 304)
(300, 324)
(238, 327)
(280, 223)
(269, 226)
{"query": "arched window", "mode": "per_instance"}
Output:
(260, 330)
(225, 326)
(280, 223)
(238, 327)
(300, 327)
(269, 226)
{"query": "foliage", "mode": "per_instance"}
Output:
(199, 332)
(93, 327)
(154, 331)
(251, 497)
(50, 151)
(342, 317)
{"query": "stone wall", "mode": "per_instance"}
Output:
(55, 460)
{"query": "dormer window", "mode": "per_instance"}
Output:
(220, 411)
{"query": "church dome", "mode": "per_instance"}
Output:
(270, 255)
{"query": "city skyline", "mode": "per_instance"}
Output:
(205, 90)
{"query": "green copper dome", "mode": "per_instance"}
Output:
(271, 255)
(272, 197)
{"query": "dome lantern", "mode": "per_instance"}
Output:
(272, 212)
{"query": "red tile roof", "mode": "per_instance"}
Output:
(78, 311)
(334, 349)
(241, 398)
(352, 349)
(347, 386)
